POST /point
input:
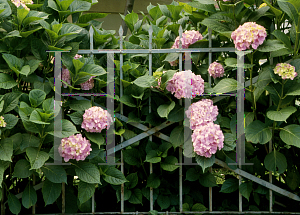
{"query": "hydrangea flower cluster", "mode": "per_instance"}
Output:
(188, 38)
(2, 122)
(216, 70)
(74, 147)
(22, 3)
(207, 137)
(248, 34)
(95, 119)
(179, 81)
(285, 70)
(65, 76)
(202, 112)
(89, 84)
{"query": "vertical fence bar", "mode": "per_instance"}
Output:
(150, 137)
(121, 111)
(209, 82)
(63, 198)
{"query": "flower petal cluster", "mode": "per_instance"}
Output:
(248, 34)
(89, 84)
(202, 112)
(2, 122)
(65, 76)
(207, 138)
(22, 3)
(95, 119)
(216, 70)
(188, 38)
(285, 70)
(179, 81)
(74, 147)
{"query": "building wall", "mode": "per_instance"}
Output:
(117, 7)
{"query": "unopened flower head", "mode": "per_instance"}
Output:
(89, 84)
(248, 34)
(207, 139)
(285, 70)
(188, 38)
(2, 122)
(180, 80)
(262, 5)
(95, 119)
(202, 112)
(74, 147)
(216, 70)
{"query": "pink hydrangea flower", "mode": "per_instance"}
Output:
(285, 70)
(207, 138)
(89, 84)
(202, 112)
(179, 81)
(248, 34)
(95, 119)
(22, 3)
(66, 76)
(77, 56)
(2, 122)
(74, 147)
(188, 38)
(216, 70)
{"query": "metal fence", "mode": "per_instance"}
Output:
(149, 132)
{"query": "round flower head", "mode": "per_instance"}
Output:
(285, 70)
(216, 70)
(88, 85)
(2, 122)
(207, 138)
(248, 34)
(95, 119)
(188, 38)
(179, 81)
(74, 147)
(202, 112)
(65, 76)
(77, 56)
(22, 3)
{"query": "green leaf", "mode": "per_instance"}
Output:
(163, 201)
(25, 70)
(36, 118)
(283, 38)
(275, 160)
(289, 9)
(11, 100)
(94, 70)
(96, 138)
(127, 100)
(13, 203)
(87, 172)
(29, 140)
(229, 142)
(152, 157)
(291, 135)
(258, 132)
(246, 189)
(205, 162)
(132, 157)
(68, 129)
(169, 164)
(207, 180)
(215, 25)
(275, 10)
(153, 181)
(198, 207)
(76, 117)
(192, 175)
(136, 197)
(230, 185)
(11, 120)
(36, 97)
(6, 149)
(164, 110)
(114, 176)
(80, 105)
(29, 197)
(80, 6)
(91, 16)
(227, 85)
(130, 20)
(281, 115)
(204, 7)
(145, 81)
(155, 13)
(132, 180)
(85, 191)
(171, 57)
(177, 114)
(7, 82)
(177, 136)
(21, 169)
(293, 179)
(21, 14)
(51, 192)
(55, 173)
(36, 157)
(270, 46)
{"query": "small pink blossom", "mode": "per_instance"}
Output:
(74, 147)
(179, 81)
(285, 70)
(89, 84)
(2, 122)
(216, 70)
(95, 119)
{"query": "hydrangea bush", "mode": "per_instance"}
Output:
(27, 106)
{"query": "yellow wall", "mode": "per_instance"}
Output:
(114, 7)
